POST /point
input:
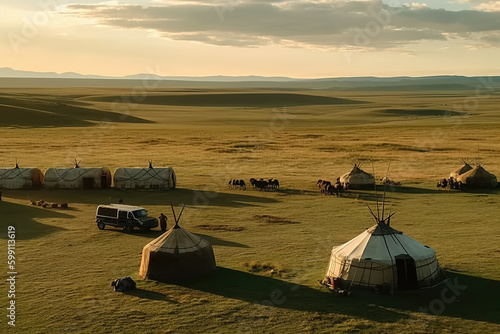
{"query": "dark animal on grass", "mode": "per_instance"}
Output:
(123, 284)
(44, 205)
(258, 184)
(54, 205)
(443, 183)
(40, 202)
(323, 185)
(336, 189)
(64, 205)
(274, 184)
(33, 202)
(252, 182)
(237, 183)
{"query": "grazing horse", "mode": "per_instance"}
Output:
(335, 188)
(237, 183)
(323, 185)
(252, 182)
(274, 184)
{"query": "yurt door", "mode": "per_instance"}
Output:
(407, 272)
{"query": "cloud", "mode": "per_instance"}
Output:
(321, 24)
(492, 6)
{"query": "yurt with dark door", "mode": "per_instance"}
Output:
(384, 257)
(78, 177)
(21, 178)
(358, 178)
(478, 177)
(177, 255)
(145, 178)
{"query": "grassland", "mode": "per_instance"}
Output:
(65, 263)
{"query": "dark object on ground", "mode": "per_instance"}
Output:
(64, 205)
(123, 284)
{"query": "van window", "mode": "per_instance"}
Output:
(140, 213)
(108, 212)
(122, 214)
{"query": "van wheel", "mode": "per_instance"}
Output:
(101, 225)
(127, 229)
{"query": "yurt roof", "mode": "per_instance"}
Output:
(381, 243)
(479, 172)
(177, 241)
(462, 169)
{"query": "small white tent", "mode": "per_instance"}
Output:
(358, 178)
(384, 257)
(145, 178)
(78, 177)
(19, 178)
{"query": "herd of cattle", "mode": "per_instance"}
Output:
(258, 184)
(326, 187)
(338, 188)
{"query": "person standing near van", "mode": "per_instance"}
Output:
(163, 222)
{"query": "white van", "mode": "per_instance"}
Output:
(126, 216)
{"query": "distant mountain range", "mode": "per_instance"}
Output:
(15, 78)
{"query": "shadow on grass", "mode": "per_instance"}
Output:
(221, 242)
(276, 293)
(22, 217)
(151, 295)
(465, 297)
(142, 197)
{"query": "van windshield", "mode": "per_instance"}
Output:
(140, 213)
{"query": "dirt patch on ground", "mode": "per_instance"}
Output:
(274, 220)
(220, 228)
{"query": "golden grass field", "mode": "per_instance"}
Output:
(66, 264)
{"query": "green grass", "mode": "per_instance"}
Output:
(66, 264)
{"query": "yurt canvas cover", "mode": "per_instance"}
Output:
(358, 178)
(460, 170)
(384, 256)
(478, 177)
(19, 178)
(79, 177)
(177, 255)
(145, 178)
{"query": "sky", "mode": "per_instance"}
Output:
(293, 38)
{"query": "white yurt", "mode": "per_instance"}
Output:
(20, 178)
(145, 178)
(383, 257)
(358, 179)
(78, 177)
